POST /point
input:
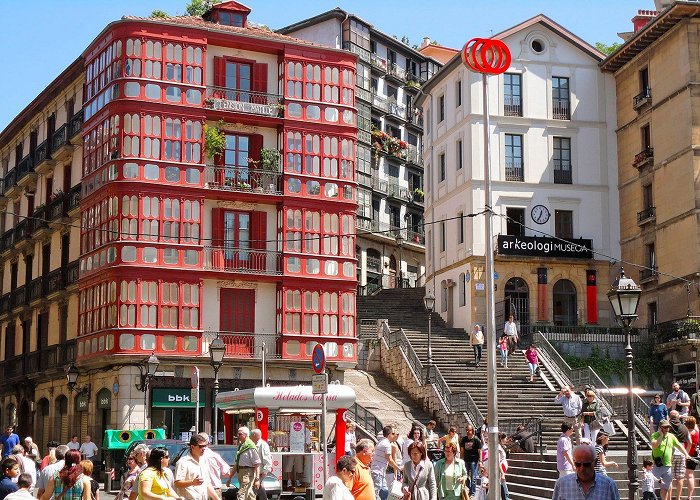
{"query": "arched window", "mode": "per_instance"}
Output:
(462, 291)
(564, 302)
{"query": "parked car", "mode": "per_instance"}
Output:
(272, 485)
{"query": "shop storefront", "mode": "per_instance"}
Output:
(172, 409)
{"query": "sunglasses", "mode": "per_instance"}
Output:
(583, 464)
(165, 456)
(202, 446)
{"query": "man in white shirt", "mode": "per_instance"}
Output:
(74, 443)
(26, 464)
(192, 478)
(89, 449)
(382, 461)
(217, 466)
(32, 449)
(48, 471)
(24, 482)
(265, 459)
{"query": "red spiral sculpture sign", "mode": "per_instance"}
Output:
(486, 55)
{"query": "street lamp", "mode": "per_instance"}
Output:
(399, 242)
(624, 298)
(148, 371)
(429, 301)
(72, 376)
(217, 349)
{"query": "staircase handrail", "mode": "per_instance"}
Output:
(532, 427)
(367, 420)
(454, 402)
(641, 413)
(587, 377)
(559, 368)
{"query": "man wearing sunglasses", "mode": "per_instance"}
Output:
(663, 443)
(192, 480)
(586, 483)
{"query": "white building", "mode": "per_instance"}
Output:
(553, 162)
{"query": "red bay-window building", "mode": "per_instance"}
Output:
(218, 199)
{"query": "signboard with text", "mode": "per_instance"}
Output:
(531, 246)
(174, 397)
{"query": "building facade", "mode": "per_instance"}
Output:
(186, 178)
(553, 177)
(655, 72)
(390, 195)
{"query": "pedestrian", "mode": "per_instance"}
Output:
(510, 330)
(415, 434)
(362, 486)
(49, 471)
(74, 443)
(657, 412)
(50, 457)
(350, 439)
(32, 450)
(589, 412)
(26, 464)
(418, 474)
(87, 466)
(432, 440)
(141, 454)
(648, 481)
(483, 431)
(336, 487)
(601, 448)
(571, 405)
(451, 437)
(503, 346)
(476, 341)
(89, 449)
(663, 444)
(471, 454)
(682, 434)
(247, 466)
(129, 479)
(565, 459)
(692, 448)
(450, 474)
(8, 440)
(525, 441)
(10, 470)
(152, 483)
(695, 405)
(192, 479)
(502, 463)
(531, 356)
(586, 484)
(69, 483)
(265, 460)
(24, 484)
(678, 400)
(383, 461)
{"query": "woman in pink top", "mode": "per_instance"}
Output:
(531, 356)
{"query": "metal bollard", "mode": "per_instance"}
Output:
(310, 494)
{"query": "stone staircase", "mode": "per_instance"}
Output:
(518, 398)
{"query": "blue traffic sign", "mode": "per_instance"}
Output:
(318, 359)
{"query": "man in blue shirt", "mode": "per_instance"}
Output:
(8, 441)
(10, 469)
(586, 484)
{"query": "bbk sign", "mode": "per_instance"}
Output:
(180, 397)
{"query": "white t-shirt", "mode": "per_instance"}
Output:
(89, 449)
(187, 469)
(336, 490)
(72, 445)
(382, 452)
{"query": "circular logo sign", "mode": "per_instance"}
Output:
(297, 426)
(345, 416)
(486, 55)
(259, 416)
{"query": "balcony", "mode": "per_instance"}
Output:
(380, 103)
(396, 110)
(243, 180)
(389, 145)
(243, 101)
(61, 148)
(5, 304)
(25, 172)
(648, 275)
(243, 261)
(647, 215)
(380, 185)
(642, 99)
(21, 236)
(379, 63)
(644, 158)
(43, 163)
(413, 155)
(39, 226)
(397, 192)
(37, 288)
(364, 94)
(562, 174)
(414, 116)
(362, 54)
(8, 241)
(512, 106)
(416, 237)
(396, 72)
(51, 358)
(515, 172)
(10, 183)
(677, 330)
(245, 345)
(561, 110)
(18, 297)
(75, 126)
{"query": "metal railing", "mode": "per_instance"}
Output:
(642, 98)
(243, 260)
(646, 214)
(648, 274)
(24, 167)
(461, 402)
(41, 152)
(676, 329)
(378, 62)
(562, 175)
(246, 344)
(532, 427)
(59, 138)
(515, 172)
(561, 110)
(641, 411)
(75, 124)
(366, 420)
(643, 157)
(591, 334)
(413, 155)
(396, 71)
(243, 101)
(512, 106)
(243, 179)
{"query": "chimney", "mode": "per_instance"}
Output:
(426, 42)
(643, 18)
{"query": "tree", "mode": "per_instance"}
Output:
(607, 49)
(200, 7)
(159, 13)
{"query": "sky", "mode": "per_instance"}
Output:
(36, 46)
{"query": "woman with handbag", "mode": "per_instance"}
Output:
(418, 475)
(588, 412)
(450, 475)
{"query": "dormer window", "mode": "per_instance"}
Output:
(228, 14)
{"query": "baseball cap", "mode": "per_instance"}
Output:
(664, 423)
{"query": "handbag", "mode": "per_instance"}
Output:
(408, 494)
(396, 490)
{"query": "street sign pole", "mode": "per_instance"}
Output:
(319, 385)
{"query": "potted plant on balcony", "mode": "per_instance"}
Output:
(413, 84)
(418, 194)
(214, 140)
(689, 328)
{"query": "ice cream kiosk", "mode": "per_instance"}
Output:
(288, 418)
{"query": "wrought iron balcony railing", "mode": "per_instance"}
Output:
(243, 101)
(243, 260)
(644, 97)
(243, 179)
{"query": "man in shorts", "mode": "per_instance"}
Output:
(663, 443)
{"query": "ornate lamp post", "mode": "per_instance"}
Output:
(72, 376)
(624, 298)
(429, 302)
(217, 349)
(399, 242)
(148, 371)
